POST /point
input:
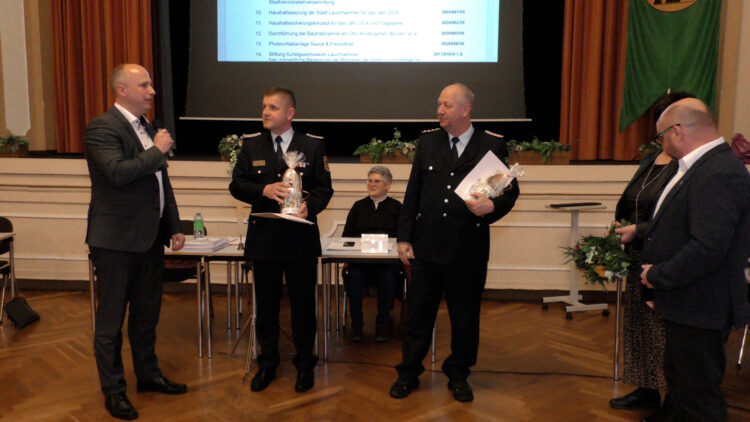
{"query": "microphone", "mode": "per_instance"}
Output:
(159, 125)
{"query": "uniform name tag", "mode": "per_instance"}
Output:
(258, 163)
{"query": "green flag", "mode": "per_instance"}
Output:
(672, 44)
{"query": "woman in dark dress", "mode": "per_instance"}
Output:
(375, 214)
(643, 328)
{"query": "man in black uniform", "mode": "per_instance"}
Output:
(279, 247)
(449, 241)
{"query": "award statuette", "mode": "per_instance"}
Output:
(293, 202)
(495, 184)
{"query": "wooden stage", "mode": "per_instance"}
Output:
(534, 365)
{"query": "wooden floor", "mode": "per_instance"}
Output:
(534, 365)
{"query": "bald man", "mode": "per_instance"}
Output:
(132, 216)
(694, 254)
(446, 240)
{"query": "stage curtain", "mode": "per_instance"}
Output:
(90, 38)
(593, 75)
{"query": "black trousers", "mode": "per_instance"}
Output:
(694, 364)
(301, 277)
(463, 286)
(134, 280)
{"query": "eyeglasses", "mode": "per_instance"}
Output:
(661, 134)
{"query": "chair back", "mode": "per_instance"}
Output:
(5, 226)
(187, 228)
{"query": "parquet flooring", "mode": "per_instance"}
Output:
(534, 365)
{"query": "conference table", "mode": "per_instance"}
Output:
(12, 262)
(333, 254)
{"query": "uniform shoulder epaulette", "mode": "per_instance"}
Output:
(496, 135)
(249, 135)
(314, 136)
(430, 130)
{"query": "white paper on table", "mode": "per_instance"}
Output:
(487, 166)
(280, 216)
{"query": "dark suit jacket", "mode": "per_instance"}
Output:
(124, 208)
(257, 166)
(698, 243)
(433, 218)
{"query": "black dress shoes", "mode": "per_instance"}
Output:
(640, 398)
(356, 334)
(305, 380)
(664, 414)
(262, 378)
(162, 385)
(119, 406)
(403, 387)
(381, 334)
(461, 390)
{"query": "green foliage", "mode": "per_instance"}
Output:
(647, 148)
(377, 147)
(601, 259)
(230, 147)
(12, 143)
(545, 148)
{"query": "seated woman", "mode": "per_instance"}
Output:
(376, 214)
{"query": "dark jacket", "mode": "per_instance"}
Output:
(433, 218)
(698, 243)
(257, 166)
(363, 217)
(124, 209)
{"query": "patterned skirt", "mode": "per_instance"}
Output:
(643, 338)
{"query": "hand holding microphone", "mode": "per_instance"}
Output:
(163, 140)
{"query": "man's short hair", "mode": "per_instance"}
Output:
(280, 90)
(117, 76)
(381, 170)
(466, 94)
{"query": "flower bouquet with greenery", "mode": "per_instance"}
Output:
(377, 147)
(601, 259)
(230, 147)
(12, 143)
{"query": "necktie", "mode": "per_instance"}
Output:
(279, 155)
(454, 150)
(144, 124)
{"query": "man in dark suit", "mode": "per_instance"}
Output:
(694, 254)
(132, 216)
(280, 247)
(449, 241)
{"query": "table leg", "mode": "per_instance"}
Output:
(229, 296)
(237, 294)
(199, 291)
(12, 259)
(209, 310)
(338, 302)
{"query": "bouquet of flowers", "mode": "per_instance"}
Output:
(377, 147)
(601, 259)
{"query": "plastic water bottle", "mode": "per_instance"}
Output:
(198, 230)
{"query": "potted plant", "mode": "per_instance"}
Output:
(13, 146)
(392, 151)
(538, 152)
(229, 148)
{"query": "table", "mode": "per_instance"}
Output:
(329, 262)
(573, 298)
(12, 263)
(231, 254)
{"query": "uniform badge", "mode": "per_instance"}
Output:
(325, 163)
(430, 130)
(496, 135)
(259, 163)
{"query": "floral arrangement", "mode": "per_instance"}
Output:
(601, 259)
(545, 148)
(229, 148)
(12, 143)
(377, 147)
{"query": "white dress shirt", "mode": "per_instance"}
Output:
(684, 165)
(463, 140)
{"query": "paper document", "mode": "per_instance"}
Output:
(278, 215)
(487, 166)
(211, 244)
